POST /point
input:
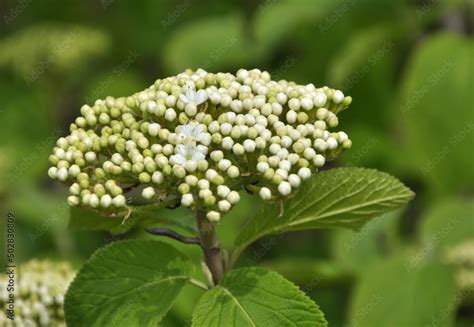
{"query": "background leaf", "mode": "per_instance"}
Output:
(438, 83)
(129, 283)
(446, 224)
(393, 293)
(256, 297)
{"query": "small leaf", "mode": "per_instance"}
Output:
(342, 197)
(147, 215)
(395, 293)
(128, 283)
(256, 297)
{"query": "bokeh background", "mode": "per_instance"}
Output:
(407, 64)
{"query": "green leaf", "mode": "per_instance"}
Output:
(212, 43)
(447, 224)
(342, 197)
(128, 283)
(354, 251)
(147, 215)
(435, 114)
(394, 293)
(362, 51)
(256, 297)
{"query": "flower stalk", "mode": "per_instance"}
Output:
(210, 246)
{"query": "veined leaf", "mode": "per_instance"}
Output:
(256, 297)
(342, 197)
(128, 283)
(146, 215)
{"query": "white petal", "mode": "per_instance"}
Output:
(202, 149)
(198, 156)
(183, 98)
(181, 149)
(201, 97)
(178, 159)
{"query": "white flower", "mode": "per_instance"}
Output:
(187, 152)
(192, 131)
(190, 95)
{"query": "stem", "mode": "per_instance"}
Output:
(210, 246)
(172, 234)
(199, 284)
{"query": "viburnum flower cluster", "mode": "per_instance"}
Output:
(199, 138)
(39, 294)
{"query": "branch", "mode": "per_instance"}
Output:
(210, 246)
(172, 234)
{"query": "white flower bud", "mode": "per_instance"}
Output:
(282, 98)
(105, 201)
(284, 188)
(73, 200)
(154, 129)
(118, 201)
(233, 197)
(233, 172)
(320, 99)
(294, 180)
(262, 167)
(53, 172)
(319, 160)
(224, 164)
(294, 104)
(94, 201)
(170, 114)
(291, 116)
(62, 174)
(265, 193)
(151, 107)
(213, 216)
(223, 191)
(203, 184)
(307, 103)
(148, 192)
(332, 143)
(227, 143)
(224, 205)
(304, 173)
(342, 137)
(187, 200)
(338, 97)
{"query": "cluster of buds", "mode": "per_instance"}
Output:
(39, 294)
(461, 257)
(200, 138)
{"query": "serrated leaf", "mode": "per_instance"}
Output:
(342, 197)
(147, 215)
(128, 283)
(256, 297)
(393, 293)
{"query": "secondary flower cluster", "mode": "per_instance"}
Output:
(461, 256)
(200, 138)
(39, 294)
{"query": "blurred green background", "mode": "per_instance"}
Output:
(407, 64)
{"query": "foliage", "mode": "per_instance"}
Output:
(407, 65)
